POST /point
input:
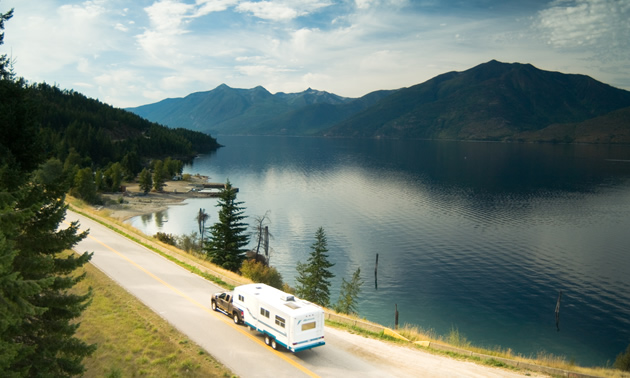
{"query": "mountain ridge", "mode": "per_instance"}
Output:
(492, 101)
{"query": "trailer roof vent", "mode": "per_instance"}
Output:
(289, 298)
(293, 305)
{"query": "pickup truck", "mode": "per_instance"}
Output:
(223, 302)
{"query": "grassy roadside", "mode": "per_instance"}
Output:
(133, 340)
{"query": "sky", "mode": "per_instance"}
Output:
(134, 52)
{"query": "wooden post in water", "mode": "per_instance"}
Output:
(376, 273)
(558, 310)
(396, 317)
(266, 244)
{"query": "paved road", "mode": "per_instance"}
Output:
(183, 299)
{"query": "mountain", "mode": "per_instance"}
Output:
(613, 127)
(226, 110)
(492, 101)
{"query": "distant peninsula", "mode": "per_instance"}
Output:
(493, 101)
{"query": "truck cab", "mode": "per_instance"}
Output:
(224, 303)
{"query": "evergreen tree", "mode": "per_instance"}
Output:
(113, 177)
(48, 345)
(225, 246)
(5, 63)
(85, 186)
(145, 181)
(38, 308)
(131, 165)
(314, 276)
(349, 294)
(159, 175)
(173, 166)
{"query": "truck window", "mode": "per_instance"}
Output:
(307, 326)
(264, 312)
(280, 321)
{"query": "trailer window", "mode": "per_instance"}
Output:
(241, 298)
(307, 326)
(264, 312)
(280, 321)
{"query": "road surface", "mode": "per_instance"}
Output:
(183, 299)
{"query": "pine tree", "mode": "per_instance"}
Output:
(5, 63)
(145, 180)
(49, 347)
(159, 175)
(314, 276)
(85, 186)
(347, 303)
(37, 307)
(225, 246)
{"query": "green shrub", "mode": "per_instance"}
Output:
(457, 339)
(166, 238)
(259, 272)
(622, 362)
(189, 242)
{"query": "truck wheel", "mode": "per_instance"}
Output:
(267, 340)
(214, 306)
(274, 346)
(236, 318)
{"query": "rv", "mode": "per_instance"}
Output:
(282, 318)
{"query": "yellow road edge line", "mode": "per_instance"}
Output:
(206, 309)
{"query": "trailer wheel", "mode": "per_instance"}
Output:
(267, 340)
(274, 346)
(237, 319)
(214, 306)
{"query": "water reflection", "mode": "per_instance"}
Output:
(480, 236)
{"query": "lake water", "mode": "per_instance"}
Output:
(479, 237)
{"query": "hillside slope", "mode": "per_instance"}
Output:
(492, 101)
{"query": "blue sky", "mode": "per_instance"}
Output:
(130, 53)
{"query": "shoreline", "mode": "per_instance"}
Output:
(135, 202)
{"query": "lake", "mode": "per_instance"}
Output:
(477, 237)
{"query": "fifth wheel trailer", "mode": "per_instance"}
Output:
(285, 320)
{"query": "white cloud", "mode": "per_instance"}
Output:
(281, 10)
(209, 6)
(585, 23)
(268, 10)
(121, 27)
(168, 16)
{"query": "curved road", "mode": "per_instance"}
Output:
(183, 299)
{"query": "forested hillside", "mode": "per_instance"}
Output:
(104, 134)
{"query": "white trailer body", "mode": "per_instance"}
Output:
(284, 319)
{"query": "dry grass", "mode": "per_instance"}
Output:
(455, 338)
(133, 340)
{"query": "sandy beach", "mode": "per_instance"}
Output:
(135, 202)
